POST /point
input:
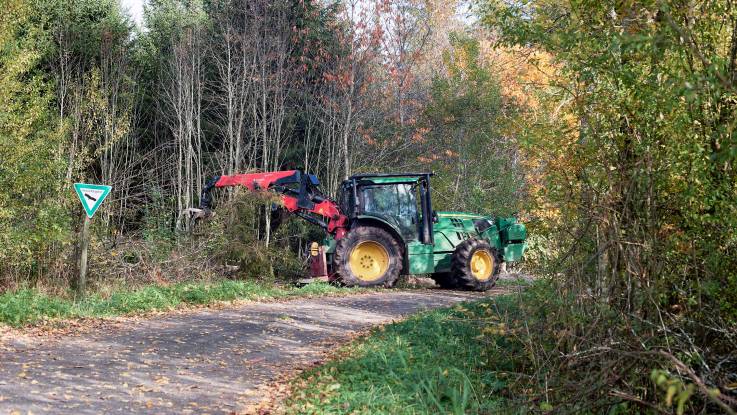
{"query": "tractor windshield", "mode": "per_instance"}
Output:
(395, 203)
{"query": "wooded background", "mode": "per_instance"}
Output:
(219, 87)
(608, 125)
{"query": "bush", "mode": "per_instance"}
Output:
(578, 355)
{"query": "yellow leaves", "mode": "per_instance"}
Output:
(495, 329)
(520, 71)
(676, 391)
(672, 390)
(17, 412)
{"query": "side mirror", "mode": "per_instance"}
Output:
(435, 216)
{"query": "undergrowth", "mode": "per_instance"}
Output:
(582, 355)
(28, 306)
(540, 351)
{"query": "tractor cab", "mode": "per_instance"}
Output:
(397, 202)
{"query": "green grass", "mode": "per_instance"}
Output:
(443, 361)
(24, 307)
(516, 282)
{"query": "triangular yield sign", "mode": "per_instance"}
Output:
(91, 196)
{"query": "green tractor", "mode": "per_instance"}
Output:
(383, 226)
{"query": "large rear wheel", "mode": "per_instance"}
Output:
(368, 256)
(475, 265)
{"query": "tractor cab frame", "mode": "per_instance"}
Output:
(401, 203)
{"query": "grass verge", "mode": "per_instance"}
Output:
(540, 351)
(443, 361)
(27, 306)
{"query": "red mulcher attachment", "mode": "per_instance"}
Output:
(299, 195)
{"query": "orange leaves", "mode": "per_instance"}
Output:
(527, 77)
(342, 78)
(429, 159)
(366, 135)
(419, 135)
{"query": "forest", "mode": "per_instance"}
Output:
(210, 88)
(608, 128)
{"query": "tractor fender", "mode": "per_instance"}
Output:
(379, 223)
(493, 236)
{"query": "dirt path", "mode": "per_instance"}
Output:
(206, 361)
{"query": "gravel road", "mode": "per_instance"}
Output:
(198, 361)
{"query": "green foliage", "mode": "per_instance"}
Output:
(32, 219)
(27, 306)
(85, 28)
(37, 146)
(436, 362)
(236, 236)
(157, 228)
(654, 150)
(24, 306)
(475, 163)
(167, 21)
(640, 165)
(676, 392)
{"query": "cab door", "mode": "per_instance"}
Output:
(395, 204)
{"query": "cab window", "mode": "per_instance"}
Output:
(394, 203)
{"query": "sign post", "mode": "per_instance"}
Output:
(91, 196)
(82, 280)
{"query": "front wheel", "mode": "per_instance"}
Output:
(368, 256)
(475, 265)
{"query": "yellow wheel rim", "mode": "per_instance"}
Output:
(369, 261)
(482, 265)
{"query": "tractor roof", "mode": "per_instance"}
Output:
(388, 178)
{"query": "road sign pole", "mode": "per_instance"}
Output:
(82, 282)
(91, 196)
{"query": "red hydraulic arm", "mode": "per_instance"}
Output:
(299, 195)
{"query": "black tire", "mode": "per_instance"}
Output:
(355, 236)
(461, 265)
(445, 280)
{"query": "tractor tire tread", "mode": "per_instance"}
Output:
(461, 265)
(359, 234)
